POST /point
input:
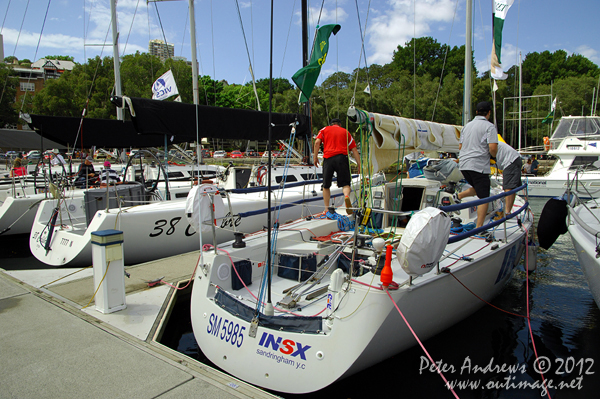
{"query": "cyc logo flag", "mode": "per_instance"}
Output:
(164, 87)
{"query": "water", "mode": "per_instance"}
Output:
(565, 322)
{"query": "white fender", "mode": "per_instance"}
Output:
(423, 241)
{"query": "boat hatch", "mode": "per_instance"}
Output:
(409, 200)
(299, 324)
(118, 196)
(590, 162)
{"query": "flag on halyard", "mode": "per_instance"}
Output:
(550, 117)
(306, 77)
(164, 87)
(500, 9)
(368, 89)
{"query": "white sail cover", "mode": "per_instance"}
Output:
(423, 241)
(392, 134)
(198, 204)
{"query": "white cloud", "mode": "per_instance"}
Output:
(589, 53)
(397, 25)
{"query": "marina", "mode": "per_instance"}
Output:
(565, 321)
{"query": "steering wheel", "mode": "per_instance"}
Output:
(149, 185)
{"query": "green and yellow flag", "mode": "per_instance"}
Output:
(306, 77)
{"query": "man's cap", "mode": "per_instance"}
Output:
(335, 120)
(89, 159)
(484, 106)
(106, 164)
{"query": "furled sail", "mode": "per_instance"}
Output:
(391, 134)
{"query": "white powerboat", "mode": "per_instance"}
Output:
(576, 146)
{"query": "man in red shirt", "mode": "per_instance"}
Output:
(337, 141)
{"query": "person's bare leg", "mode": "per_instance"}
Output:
(481, 212)
(510, 200)
(469, 192)
(326, 197)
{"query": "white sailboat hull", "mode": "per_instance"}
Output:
(161, 229)
(365, 327)
(585, 246)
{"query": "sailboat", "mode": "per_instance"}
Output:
(317, 300)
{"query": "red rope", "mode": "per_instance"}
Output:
(422, 346)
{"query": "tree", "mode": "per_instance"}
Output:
(279, 85)
(11, 59)
(60, 57)
(425, 55)
(543, 68)
(8, 113)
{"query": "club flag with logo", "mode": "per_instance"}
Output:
(306, 77)
(550, 117)
(164, 87)
(500, 9)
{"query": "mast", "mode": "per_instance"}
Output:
(305, 55)
(194, 57)
(117, 62)
(468, 65)
(520, 93)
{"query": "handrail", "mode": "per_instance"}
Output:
(488, 226)
(457, 207)
(583, 225)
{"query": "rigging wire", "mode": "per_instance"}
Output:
(35, 55)
(131, 26)
(362, 45)
(15, 50)
(237, 5)
(150, 38)
(415, 59)
(444, 64)
(4, 20)
(212, 35)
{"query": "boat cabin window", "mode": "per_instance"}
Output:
(587, 161)
(579, 127)
(410, 200)
(289, 179)
(312, 176)
(173, 175)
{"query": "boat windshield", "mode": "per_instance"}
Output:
(579, 126)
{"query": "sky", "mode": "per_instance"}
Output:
(226, 47)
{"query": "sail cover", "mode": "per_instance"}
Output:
(182, 120)
(391, 137)
(88, 132)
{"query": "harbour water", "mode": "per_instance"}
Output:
(488, 355)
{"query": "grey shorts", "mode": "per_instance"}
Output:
(511, 175)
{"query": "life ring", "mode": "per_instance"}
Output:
(546, 143)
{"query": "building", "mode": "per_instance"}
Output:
(32, 79)
(160, 49)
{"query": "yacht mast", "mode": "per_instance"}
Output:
(116, 60)
(194, 57)
(468, 65)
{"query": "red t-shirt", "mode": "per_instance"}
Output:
(336, 140)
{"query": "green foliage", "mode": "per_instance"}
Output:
(60, 57)
(279, 85)
(9, 115)
(10, 59)
(429, 95)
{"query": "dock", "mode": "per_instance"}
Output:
(54, 346)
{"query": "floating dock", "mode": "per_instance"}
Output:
(55, 346)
